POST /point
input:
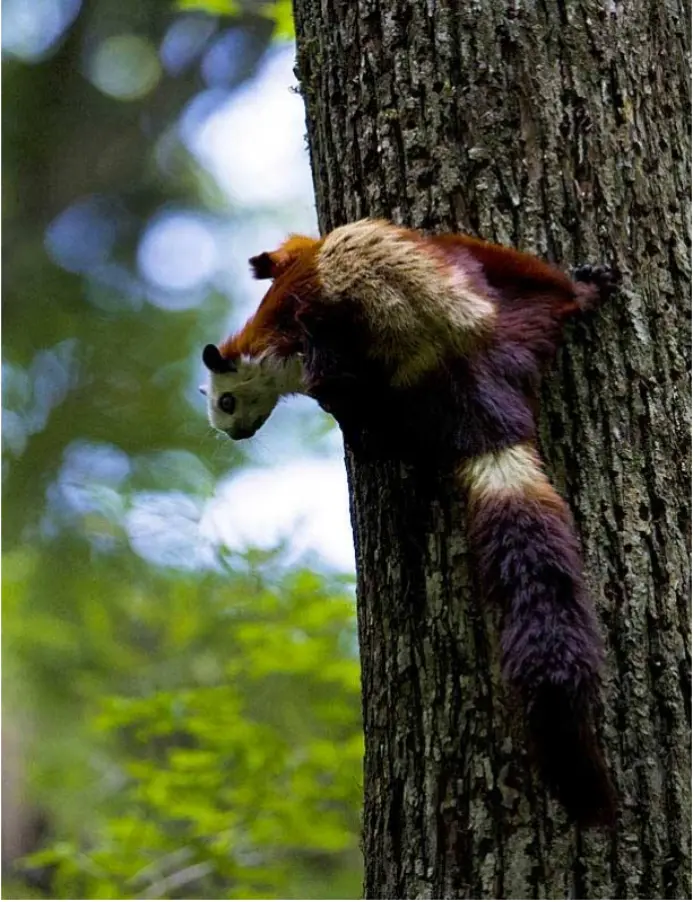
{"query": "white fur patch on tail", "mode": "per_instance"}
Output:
(512, 470)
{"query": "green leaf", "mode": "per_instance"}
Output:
(213, 7)
(284, 27)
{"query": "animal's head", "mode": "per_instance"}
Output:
(241, 393)
(251, 371)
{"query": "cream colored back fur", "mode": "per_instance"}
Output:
(418, 308)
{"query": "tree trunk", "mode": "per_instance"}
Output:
(561, 129)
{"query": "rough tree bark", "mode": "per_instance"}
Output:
(561, 129)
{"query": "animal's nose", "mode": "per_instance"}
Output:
(238, 433)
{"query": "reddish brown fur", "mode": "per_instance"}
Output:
(533, 297)
(483, 401)
(271, 264)
(274, 326)
(506, 267)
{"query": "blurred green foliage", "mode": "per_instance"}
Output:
(279, 11)
(235, 764)
(184, 718)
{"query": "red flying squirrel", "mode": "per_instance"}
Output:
(493, 317)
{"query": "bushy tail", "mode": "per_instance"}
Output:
(529, 560)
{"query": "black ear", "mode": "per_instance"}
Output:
(215, 363)
(262, 266)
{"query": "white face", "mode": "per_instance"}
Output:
(239, 402)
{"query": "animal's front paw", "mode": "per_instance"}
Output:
(606, 278)
(594, 284)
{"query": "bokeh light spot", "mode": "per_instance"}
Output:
(227, 58)
(184, 41)
(177, 253)
(29, 30)
(125, 66)
(253, 144)
(82, 236)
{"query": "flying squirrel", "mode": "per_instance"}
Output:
(438, 324)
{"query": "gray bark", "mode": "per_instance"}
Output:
(562, 129)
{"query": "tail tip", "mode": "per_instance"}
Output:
(590, 802)
(568, 755)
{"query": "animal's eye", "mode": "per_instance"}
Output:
(227, 402)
